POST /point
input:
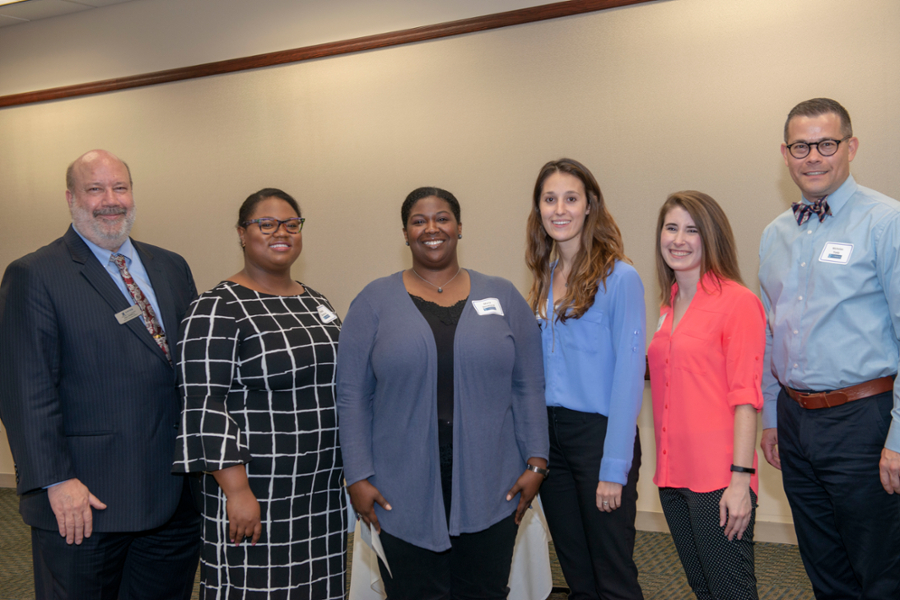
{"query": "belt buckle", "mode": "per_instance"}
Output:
(807, 399)
(828, 399)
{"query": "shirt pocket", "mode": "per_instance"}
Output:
(697, 351)
(590, 333)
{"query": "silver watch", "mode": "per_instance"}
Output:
(538, 470)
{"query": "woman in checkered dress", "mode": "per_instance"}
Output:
(257, 371)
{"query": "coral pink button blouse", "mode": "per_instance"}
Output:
(712, 363)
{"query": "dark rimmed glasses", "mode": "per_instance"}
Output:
(268, 225)
(825, 147)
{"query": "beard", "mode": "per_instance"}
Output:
(108, 235)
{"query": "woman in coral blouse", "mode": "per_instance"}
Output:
(705, 369)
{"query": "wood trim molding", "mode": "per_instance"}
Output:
(371, 42)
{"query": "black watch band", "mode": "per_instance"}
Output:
(737, 469)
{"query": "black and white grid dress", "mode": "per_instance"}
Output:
(257, 372)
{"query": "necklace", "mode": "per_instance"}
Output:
(440, 288)
(567, 279)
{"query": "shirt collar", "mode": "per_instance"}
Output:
(709, 283)
(103, 255)
(840, 196)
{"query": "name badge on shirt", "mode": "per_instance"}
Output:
(662, 319)
(836, 253)
(325, 315)
(488, 306)
(128, 314)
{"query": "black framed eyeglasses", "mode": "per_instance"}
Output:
(268, 225)
(825, 147)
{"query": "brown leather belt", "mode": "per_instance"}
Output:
(844, 395)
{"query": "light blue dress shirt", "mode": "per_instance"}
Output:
(595, 364)
(831, 292)
(135, 267)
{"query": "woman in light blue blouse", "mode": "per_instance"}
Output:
(590, 304)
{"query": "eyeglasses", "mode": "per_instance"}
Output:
(268, 225)
(825, 147)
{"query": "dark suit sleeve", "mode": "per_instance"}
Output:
(29, 376)
(192, 287)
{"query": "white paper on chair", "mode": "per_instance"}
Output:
(373, 541)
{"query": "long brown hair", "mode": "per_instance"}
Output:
(719, 250)
(601, 247)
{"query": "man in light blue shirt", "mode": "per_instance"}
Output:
(830, 278)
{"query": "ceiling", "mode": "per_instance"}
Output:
(32, 10)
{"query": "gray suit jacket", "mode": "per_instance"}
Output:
(83, 396)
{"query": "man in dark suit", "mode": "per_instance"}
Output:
(88, 326)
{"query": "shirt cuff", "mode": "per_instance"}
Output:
(893, 438)
(770, 414)
(614, 470)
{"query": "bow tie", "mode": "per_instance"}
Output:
(802, 211)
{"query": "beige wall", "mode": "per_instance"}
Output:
(153, 35)
(654, 98)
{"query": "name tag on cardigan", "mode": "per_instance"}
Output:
(488, 306)
(838, 254)
(325, 315)
(128, 314)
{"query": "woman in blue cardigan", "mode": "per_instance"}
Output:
(441, 411)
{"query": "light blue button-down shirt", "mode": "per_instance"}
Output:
(831, 291)
(595, 364)
(135, 267)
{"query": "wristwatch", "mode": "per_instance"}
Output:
(538, 470)
(737, 469)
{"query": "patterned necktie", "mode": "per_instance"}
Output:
(802, 211)
(150, 319)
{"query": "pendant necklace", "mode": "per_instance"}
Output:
(440, 288)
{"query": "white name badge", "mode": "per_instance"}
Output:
(128, 314)
(325, 315)
(662, 319)
(488, 306)
(836, 253)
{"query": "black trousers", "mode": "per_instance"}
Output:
(848, 527)
(152, 565)
(716, 569)
(595, 549)
(476, 567)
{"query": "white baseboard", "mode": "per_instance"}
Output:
(765, 531)
(7, 480)
(651, 521)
